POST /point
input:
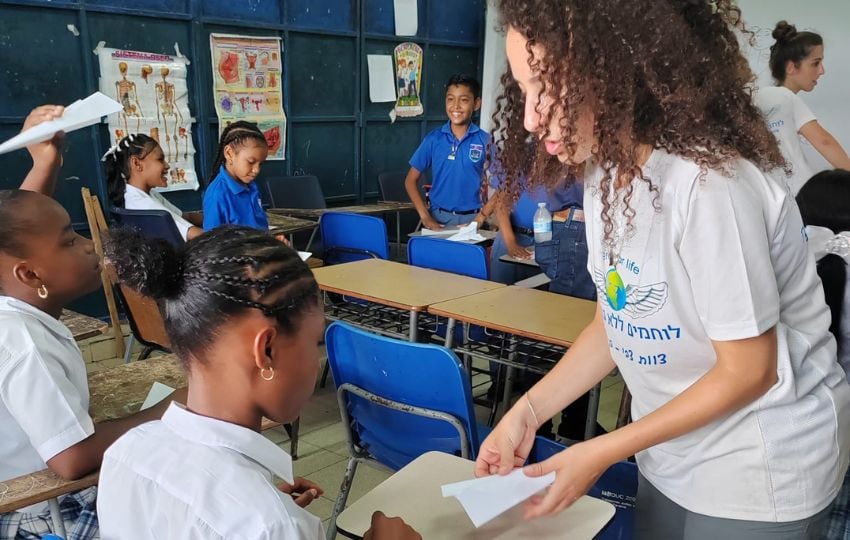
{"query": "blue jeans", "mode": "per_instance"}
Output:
(451, 220)
(564, 260)
(505, 272)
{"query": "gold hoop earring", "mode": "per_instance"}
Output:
(263, 373)
(42, 292)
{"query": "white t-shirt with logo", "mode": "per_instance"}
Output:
(725, 258)
(786, 114)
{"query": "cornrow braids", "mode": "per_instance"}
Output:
(214, 278)
(234, 135)
(116, 163)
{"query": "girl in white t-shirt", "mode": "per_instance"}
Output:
(709, 302)
(134, 167)
(796, 63)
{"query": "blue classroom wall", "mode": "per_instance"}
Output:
(333, 131)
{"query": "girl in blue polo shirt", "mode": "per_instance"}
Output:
(232, 197)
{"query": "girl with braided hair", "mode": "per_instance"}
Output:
(134, 167)
(232, 196)
(709, 303)
(243, 314)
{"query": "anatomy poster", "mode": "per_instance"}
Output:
(152, 90)
(408, 68)
(248, 81)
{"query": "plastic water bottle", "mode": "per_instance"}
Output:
(542, 224)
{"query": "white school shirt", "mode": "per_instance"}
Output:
(192, 477)
(136, 199)
(786, 114)
(44, 392)
(725, 258)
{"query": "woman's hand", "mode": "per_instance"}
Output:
(508, 445)
(576, 470)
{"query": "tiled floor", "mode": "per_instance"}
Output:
(322, 452)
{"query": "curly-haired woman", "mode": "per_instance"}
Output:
(709, 303)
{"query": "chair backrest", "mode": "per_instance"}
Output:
(352, 237)
(144, 317)
(151, 223)
(448, 256)
(98, 226)
(617, 485)
(295, 192)
(391, 186)
(411, 375)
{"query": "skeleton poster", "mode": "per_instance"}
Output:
(152, 90)
(247, 85)
(408, 67)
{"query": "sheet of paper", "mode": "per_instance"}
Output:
(304, 255)
(78, 115)
(381, 78)
(406, 17)
(486, 498)
(441, 232)
(467, 233)
(157, 393)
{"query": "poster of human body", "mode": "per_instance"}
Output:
(408, 65)
(248, 81)
(152, 91)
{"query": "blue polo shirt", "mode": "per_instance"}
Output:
(457, 166)
(565, 194)
(228, 201)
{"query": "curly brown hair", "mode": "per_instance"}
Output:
(663, 73)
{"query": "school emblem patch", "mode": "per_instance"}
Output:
(475, 152)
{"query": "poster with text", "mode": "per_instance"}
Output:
(248, 83)
(152, 91)
(408, 67)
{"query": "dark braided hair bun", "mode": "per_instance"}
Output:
(150, 266)
(784, 31)
(215, 277)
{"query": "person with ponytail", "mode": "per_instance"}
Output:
(134, 167)
(709, 302)
(243, 315)
(796, 63)
(232, 196)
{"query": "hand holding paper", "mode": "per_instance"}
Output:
(486, 498)
(77, 115)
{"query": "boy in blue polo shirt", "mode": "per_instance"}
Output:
(456, 154)
(233, 197)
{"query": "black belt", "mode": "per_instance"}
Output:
(523, 230)
(458, 212)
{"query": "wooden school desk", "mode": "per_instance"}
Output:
(400, 286)
(82, 326)
(414, 494)
(115, 393)
(539, 316)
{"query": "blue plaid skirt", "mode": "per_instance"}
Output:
(78, 512)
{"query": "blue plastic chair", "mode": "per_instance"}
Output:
(398, 400)
(455, 257)
(617, 485)
(151, 223)
(351, 237)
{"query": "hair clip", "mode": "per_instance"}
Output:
(113, 150)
